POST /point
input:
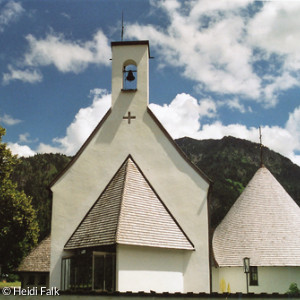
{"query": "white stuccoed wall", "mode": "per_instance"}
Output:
(146, 269)
(270, 279)
(179, 186)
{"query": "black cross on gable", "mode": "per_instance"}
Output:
(129, 117)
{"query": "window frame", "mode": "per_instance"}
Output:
(70, 269)
(253, 276)
(105, 254)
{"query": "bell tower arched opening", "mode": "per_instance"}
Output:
(129, 76)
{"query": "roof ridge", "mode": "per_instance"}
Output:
(122, 197)
(128, 178)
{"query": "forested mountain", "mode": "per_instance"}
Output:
(230, 163)
(33, 175)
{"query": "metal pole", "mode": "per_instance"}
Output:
(247, 283)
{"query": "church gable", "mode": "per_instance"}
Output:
(129, 212)
(127, 122)
(137, 215)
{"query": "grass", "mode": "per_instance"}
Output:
(9, 284)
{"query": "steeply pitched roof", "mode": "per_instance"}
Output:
(129, 212)
(38, 260)
(263, 224)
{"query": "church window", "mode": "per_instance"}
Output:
(129, 77)
(253, 276)
(89, 270)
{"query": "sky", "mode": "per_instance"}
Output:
(222, 67)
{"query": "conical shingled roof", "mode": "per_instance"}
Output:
(38, 259)
(263, 224)
(129, 212)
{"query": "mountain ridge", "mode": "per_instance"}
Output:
(229, 162)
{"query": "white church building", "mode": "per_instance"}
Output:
(130, 211)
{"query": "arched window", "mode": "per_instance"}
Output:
(129, 76)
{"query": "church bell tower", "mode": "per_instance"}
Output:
(130, 74)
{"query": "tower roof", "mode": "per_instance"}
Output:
(129, 212)
(263, 224)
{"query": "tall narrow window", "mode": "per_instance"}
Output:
(104, 271)
(77, 272)
(253, 276)
(129, 77)
(66, 274)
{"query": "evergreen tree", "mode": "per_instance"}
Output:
(18, 225)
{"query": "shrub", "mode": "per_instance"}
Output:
(293, 289)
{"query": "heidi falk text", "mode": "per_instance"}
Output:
(34, 291)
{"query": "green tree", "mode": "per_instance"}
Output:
(18, 225)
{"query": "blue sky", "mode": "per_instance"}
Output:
(220, 68)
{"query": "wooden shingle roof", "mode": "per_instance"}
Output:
(38, 260)
(129, 212)
(263, 224)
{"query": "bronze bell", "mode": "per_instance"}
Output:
(130, 76)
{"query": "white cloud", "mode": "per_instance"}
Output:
(234, 104)
(276, 27)
(77, 132)
(24, 138)
(280, 83)
(212, 7)
(30, 76)
(182, 116)
(293, 127)
(214, 43)
(44, 148)
(67, 56)
(275, 31)
(65, 15)
(215, 55)
(293, 123)
(284, 140)
(85, 122)
(20, 150)
(9, 120)
(10, 12)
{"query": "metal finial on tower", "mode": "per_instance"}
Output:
(122, 32)
(261, 147)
